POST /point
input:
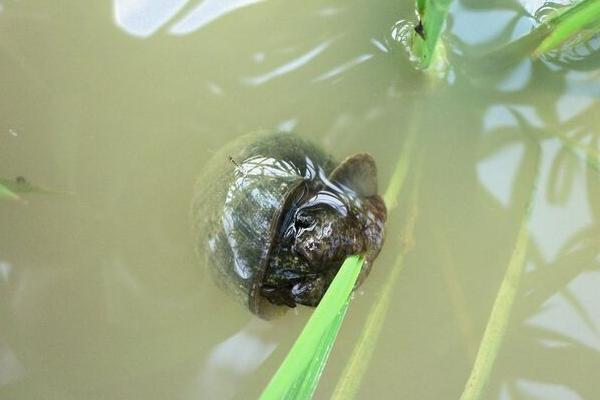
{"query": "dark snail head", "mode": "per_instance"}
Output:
(283, 218)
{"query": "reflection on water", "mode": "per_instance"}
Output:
(101, 296)
(206, 12)
(11, 369)
(573, 312)
(231, 360)
(340, 69)
(144, 17)
(289, 66)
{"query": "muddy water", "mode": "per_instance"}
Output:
(123, 103)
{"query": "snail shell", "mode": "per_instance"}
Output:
(274, 218)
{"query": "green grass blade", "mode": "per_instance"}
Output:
(432, 15)
(299, 374)
(351, 378)
(569, 22)
(502, 308)
(7, 194)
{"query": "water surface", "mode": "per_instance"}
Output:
(123, 103)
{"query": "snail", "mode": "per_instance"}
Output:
(275, 217)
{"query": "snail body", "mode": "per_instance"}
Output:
(274, 217)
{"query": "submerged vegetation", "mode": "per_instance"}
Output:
(7, 194)
(10, 189)
(569, 26)
(501, 310)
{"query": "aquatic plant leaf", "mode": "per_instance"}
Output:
(351, 378)
(22, 185)
(432, 18)
(580, 21)
(299, 374)
(390, 197)
(7, 194)
(495, 329)
(581, 18)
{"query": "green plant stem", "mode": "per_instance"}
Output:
(351, 378)
(299, 374)
(456, 294)
(10, 189)
(390, 197)
(502, 308)
(552, 33)
(432, 15)
(7, 194)
(568, 22)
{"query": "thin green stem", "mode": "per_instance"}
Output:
(299, 374)
(495, 330)
(351, 378)
(391, 195)
(7, 194)
(592, 156)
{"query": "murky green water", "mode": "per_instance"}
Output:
(101, 296)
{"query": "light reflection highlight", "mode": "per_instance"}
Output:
(289, 66)
(232, 360)
(207, 12)
(344, 67)
(559, 315)
(518, 78)
(476, 27)
(11, 369)
(569, 106)
(379, 45)
(498, 172)
(143, 18)
(547, 391)
(554, 223)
